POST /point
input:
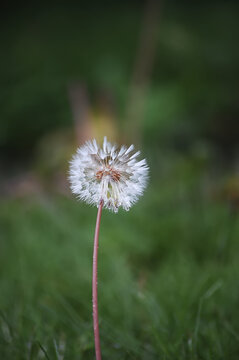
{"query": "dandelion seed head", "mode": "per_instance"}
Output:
(109, 173)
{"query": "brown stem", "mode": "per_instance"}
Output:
(94, 283)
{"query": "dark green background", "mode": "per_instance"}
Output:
(168, 269)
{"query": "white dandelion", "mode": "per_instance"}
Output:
(110, 177)
(111, 174)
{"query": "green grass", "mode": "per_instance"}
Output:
(168, 277)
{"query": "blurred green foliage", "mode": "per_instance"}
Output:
(47, 46)
(168, 269)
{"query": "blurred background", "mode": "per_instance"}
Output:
(163, 75)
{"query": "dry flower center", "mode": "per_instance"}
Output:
(114, 174)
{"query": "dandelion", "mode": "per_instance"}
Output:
(108, 177)
(111, 175)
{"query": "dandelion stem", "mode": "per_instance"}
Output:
(94, 283)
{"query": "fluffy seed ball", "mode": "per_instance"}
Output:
(110, 174)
